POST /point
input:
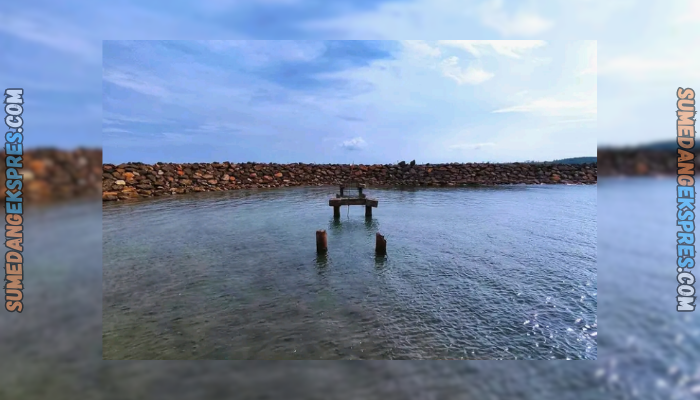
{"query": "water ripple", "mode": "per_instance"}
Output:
(488, 273)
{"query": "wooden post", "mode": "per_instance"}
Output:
(336, 211)
(341, 190)
(368, 211)
(381, 245)
(321, 242)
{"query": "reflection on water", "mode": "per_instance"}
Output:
(470, 274)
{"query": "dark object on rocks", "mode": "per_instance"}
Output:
(413, 162)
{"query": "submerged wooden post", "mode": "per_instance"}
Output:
(368, 211)
(321, 242)
(381, 245)
(336, 211)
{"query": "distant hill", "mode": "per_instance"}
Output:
(576, 160)
(665, 145)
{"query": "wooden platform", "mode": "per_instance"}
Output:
(353, 201)
(341, 199)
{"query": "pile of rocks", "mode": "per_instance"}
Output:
(52, 175)
(135, 180)
(630, 162)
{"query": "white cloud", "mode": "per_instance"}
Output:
(215, 127)
(261, 52)
(110, 118)
(354, 144)
(136, 83)
(509, 48)
(53, 33)
(589, 58)
(643, 68)
(585, 105)
(177, 138)
(691, 13)
(471, 75)
(420, 48)
(522, 23)
(470, 146)
(114, 130)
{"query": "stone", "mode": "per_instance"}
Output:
(110, 196)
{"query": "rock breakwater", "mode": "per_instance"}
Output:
(137, 180)
(638, 162)
(53, 175)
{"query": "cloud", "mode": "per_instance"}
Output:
(111, 118)
(470, 146)
(114, 130)
(177, 138)
(589, 58)
(54, 33)
(471, 75)
(585, 105)
(522, 23)
(354, 144)
(262, 52)
(509, 48)
(213, 127)
(285, 109)
(351, 118)
(420, 48)
(136, 83)
(691, 14)
(642, 68)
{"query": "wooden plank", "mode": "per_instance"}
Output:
(352, 201)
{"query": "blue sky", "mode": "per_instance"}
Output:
(348, 101)
(54, 49)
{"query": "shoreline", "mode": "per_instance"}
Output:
(137, 180)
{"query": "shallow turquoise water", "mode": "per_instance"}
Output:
(487, 273)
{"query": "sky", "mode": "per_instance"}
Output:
(644, 52)
(348, 101)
